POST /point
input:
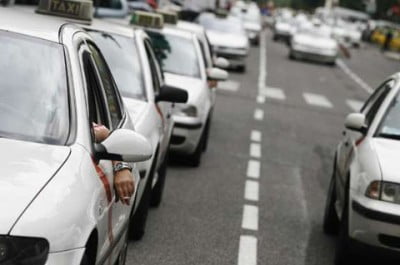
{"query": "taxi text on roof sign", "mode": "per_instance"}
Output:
(76, 9)
(147, 19)
(170, 17)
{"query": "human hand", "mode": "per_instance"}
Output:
(100, 132)
(124, 185)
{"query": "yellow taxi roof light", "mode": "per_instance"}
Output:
(75, 9)
(147, 19)
(170, 17)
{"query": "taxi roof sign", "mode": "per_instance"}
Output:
(147, 19)
(170, 17)
(75, 9)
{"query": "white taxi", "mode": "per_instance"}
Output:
(183, 64)
(363, 202)
(57, 198)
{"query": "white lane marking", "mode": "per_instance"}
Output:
(250, 217)
(255, 136)
(317, 100)
(253, 169)
(355, 105)
(262, 78)
(252, 190)
(354, 76)
(259, 114)
(229, 85)
(274, 93)
(260, 99)
(247, 250)
(255, 150)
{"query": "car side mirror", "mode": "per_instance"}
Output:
(221, 62)
(172, 94)
(356, 122)
(124, 145)
(216, 74)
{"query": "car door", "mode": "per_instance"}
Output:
(163, 109)
(351, 139)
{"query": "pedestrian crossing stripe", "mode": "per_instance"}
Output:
(317, 100)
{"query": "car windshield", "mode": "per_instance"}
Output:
(34, 91)
(122, 56)
(177, 55)
(226, 25)
(390, 125)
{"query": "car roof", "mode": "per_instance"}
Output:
(110, 27)
(30, 24)
(190, 26)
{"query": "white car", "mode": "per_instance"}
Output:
(183, 64)
(314, 43)
(363, 202)
(250, 15)
(148, 101)
(283, 29)
(347, 33)
(64, 210)
(227, 37)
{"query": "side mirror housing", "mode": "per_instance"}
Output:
(172, 94)
(356, 122)
(217, 74)
(221, 62)
(124, 145)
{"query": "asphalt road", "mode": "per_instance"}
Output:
(206, 216)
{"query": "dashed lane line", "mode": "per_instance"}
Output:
(253, 169)
(260, 99)
(229, 85)
(259, 114)
(252, 190)
(255, 136)
(247, 250)
(255, 150)
(273, 93)
(355, 105)
(250, 217)
(317, 100)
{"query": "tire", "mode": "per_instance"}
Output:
(207, 134)
(194, 159)
(138, 220)
(343, 255)
(241, 69)
(157, 192)
(275, 38)
(331, 221)
(291, 56)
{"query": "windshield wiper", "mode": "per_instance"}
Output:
(389, 135)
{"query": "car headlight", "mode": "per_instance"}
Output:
(24, 251)
(384, 191)
(186, 110)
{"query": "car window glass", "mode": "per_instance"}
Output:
(153, 68)
(34, 102)
(109, 88)
(122, 56)
(370, 115)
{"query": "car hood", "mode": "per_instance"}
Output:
(253, 26)
(194, 86)
(135, 108)
(388, 153)
(25, 169)
(314, 41)
(218, 38)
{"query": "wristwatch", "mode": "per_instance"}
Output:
(121, 166)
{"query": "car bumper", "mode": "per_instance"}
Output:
(313, 56)
(71, 257)
(186, 135)
(372, 223)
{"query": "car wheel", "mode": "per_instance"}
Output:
(157, 192)
(207, 134)
(291, 55)
(241, 68)
(331, 221)
(194, 159)
(139, 218)
(343, 255)
(275, 38)
(333, 63)
(124, 251)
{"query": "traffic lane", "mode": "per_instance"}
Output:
(199, 219)
(299, 140)
(371, 65)
(296, 77)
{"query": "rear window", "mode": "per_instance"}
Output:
(33, 90)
